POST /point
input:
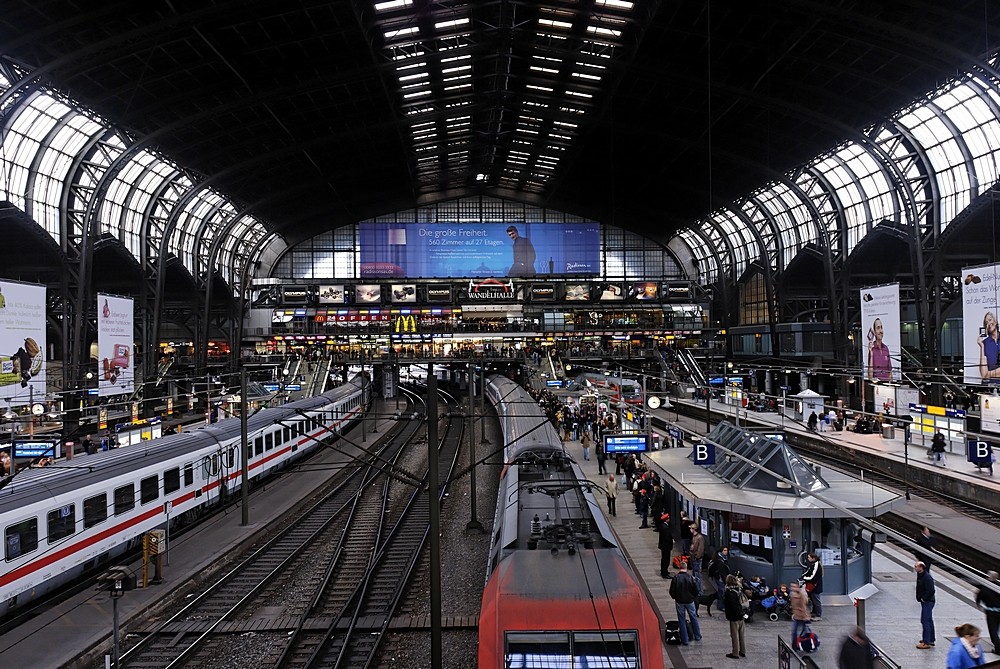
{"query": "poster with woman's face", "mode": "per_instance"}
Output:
(880, 338)
(979, 318)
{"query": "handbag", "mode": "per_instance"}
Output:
(810, 587)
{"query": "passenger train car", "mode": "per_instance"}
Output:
(615, 387)
(60, 521)
(559, 590)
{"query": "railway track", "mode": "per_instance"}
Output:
(320, 593)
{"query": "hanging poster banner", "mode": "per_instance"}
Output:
(981, 345)
(881, 341)
(22, 342)
(115, 364)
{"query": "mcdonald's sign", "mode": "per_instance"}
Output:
(406, 324)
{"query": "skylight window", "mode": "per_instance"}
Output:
(392, 4)
(459, 68)
(457, 87)
(451, 24)
(416, 94)
(579, 94)
(549, 23)
(614, 4)
(402, 32)
(608, 32)
(544, 89)
(591, 77)
(546, 70)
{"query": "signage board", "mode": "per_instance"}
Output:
(543, 292)
(625, 443)
(368, 293)
(703, 453)
(553, 383)
(979, 451)
(438, 293)
(478, 249)
(293, 386)
(332, 294)
(35, 449)
(403, 293)
(578, 292)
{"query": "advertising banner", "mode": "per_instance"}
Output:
(476, 250)
(368, 294)
(645, 290)
(332, 295)
(115, 337)
(439, 294)
(543, 292)
(880, 323)
(677, 291)
(610, 292)
(22, 342)
(404, 293)
(578, 292)
(989, 406)
(980, 302)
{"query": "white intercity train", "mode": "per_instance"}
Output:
(63, 520)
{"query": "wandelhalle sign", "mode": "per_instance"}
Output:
(490, 290)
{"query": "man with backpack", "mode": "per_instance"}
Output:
(684, 591)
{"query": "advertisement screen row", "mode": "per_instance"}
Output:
(479, 250)
(411, 293)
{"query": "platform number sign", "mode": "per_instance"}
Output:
(979, 450)
(704, 453)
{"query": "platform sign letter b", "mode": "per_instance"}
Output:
(704, 454)
(979, 451)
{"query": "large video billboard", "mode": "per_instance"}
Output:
(880, 325)
(22, 342)
(476, 250)
(115, 339)
(980, 310)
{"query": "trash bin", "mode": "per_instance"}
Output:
(888, 432)
(656, 442)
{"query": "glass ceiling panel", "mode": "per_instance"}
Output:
(735, 231)
(708, 265)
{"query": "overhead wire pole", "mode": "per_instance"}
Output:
(244, 452)
(473, 525)
(435, 519)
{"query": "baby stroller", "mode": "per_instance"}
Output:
(776, 605)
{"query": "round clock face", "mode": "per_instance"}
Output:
(38, 409)
(653, 402)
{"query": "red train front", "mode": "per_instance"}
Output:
(559, 590)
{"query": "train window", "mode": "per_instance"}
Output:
(149, 489)
(61, 522)
(188, 474)
(230, 457)
(210, 466)
(20, 538)
(574, 649)
(124, 499)
(95, 510)
(171, 480)
(269, 441)
(286, 435)
(258, 445)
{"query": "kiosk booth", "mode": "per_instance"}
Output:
(770, 525)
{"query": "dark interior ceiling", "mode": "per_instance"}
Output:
(296, 108)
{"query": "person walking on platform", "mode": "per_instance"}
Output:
(602, 457)
(697, 554)
(585, 440)
(856, 651)
(925, 595)
(938, 448)
(812, 421)
(989, 601)
(684, 592)
(799, 602)
(612, 489)
(927, 542)
(734, 614)
(966, 651)
(814, 585)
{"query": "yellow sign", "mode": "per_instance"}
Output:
(102, 421)
(406, 324)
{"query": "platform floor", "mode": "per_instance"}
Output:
(892, 615)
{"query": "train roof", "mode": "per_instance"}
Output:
(30, 485)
